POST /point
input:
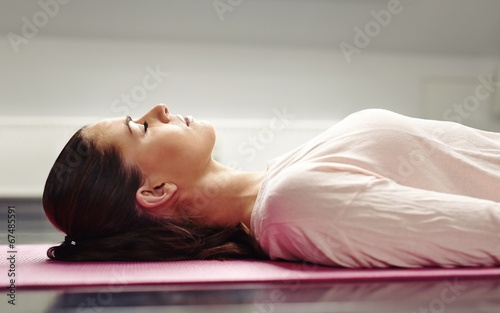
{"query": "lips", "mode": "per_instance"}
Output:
(187, 119)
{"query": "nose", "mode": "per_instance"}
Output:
(159, 112)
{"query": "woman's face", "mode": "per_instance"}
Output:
(172, 148)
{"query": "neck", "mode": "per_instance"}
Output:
(224, 196)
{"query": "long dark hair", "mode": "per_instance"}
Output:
(90, 196)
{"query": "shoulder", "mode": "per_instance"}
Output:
(383, 128)
(376, 113)
(375, 118)
(368, 123)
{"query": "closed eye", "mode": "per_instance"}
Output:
(128, 119)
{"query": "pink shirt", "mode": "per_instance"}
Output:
(380, 189)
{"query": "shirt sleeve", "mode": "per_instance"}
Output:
(357, 220)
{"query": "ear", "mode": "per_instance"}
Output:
(151, 197)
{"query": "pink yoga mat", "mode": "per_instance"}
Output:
(33, 269)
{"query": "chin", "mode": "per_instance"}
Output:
(207, 131)
(207, 126)
(211, 132)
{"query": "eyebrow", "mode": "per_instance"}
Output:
(128, 119)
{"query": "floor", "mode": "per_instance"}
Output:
(467, 296)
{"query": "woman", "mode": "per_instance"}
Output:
(378, 189)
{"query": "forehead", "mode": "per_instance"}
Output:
(106, 132)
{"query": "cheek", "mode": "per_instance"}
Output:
(178, 149)
(148, 157)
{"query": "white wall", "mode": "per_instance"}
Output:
(54, 81)
(56, 77)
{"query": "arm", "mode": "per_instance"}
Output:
(356, 220)
(397, 225)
